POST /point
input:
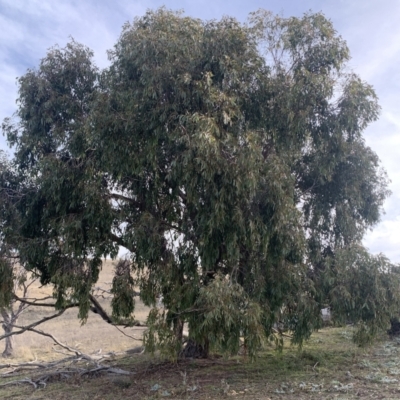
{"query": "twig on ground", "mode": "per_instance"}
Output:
(18, 382)
(65, 346)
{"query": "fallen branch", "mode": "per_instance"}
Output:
(65, 373)
(63, 345)
(18, 382)
(28, 364)
(109, 370)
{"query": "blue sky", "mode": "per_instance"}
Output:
(370, 27)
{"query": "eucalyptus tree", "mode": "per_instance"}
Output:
(227, 158)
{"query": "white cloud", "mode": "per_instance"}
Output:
(30, 28)
(38, 25)
(385, 239)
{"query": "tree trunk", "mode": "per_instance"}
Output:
(195, 350)
(394, 327)
(8, 320)
(191, 348)
(9, 349)
(178, 330)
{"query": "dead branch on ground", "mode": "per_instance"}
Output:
(66, 372)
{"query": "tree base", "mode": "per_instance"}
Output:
(194, 350)
(7, 354)
(9, 348)
(394, 327)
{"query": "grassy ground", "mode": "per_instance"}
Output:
(329, 366)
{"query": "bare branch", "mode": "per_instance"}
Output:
(125, 334)
(117, 196)
(35, 299)
(107, 369)
(28, 365)
(34, 303)
(31, 326)
(63, 345)
(17, 382)
(98, 309)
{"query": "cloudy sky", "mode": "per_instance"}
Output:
(370, 27)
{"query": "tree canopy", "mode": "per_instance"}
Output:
(227, 158)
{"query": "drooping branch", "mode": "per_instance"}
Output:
(120, 242)
(55, 340)
(95, 308)
(98, 309)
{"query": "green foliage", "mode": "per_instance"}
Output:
(161, 336)
(227, 313)
(123, 302)
(228, 159)
(363, 289)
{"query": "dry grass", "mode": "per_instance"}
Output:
(90, 337)
(329, 366)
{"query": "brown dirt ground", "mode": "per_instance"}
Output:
(329, 366)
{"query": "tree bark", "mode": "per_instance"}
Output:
(394, 327)
(9, 349)
(195, 350)
(7, 325)
(191, 349)
(178, 330)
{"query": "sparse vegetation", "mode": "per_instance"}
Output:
(328, 366)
